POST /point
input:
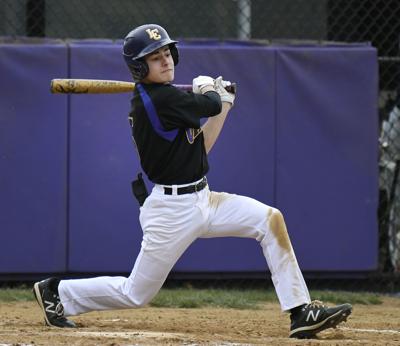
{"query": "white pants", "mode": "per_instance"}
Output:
(170, 224)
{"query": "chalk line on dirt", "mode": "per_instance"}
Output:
(384, 331)
(123, 335)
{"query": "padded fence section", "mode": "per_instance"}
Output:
(33, 160)
(302, 136)
(327, 154)
(104, 230)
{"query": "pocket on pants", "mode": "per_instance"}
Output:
(151, 209)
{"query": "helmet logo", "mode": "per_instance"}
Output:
(153, 34)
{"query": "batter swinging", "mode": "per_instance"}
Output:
(173, 149)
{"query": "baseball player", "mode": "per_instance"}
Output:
(173, 148)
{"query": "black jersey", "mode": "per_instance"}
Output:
(166, 129)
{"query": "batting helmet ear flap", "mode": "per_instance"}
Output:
(174, 52)
(139, 69)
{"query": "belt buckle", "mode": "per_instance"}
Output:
(200, 185)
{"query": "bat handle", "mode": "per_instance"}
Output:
(230, 88)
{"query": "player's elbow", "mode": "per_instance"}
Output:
(215, 104)
(218, 107)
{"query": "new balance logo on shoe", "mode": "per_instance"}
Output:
(311, 314)
(58, 309)
(316, 317)
(49, 305)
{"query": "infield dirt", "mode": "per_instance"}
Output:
(22, 324)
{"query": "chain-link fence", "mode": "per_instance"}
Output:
(376, 21)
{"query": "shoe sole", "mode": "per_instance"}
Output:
(36, 293)
(330, 322)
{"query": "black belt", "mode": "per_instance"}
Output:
(187, 189)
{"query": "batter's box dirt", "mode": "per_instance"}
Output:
(21, 324)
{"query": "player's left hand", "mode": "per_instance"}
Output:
(201, 84)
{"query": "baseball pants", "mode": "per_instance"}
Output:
(170, 223)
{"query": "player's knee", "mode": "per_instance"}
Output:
(276, 221)
(136, 301)
(277, 227)
(140, 303)
(135, 298)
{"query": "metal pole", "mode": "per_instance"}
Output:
(244, 19)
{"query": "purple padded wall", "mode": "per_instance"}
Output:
(302, 136)
(33, 159)
(327, 154)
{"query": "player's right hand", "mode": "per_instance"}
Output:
(202, 84)
(226, 96)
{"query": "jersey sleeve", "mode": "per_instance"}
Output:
(182, 109)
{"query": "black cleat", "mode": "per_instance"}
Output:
(315, 317)
(49, 301)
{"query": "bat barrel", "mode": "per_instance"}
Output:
(89, 86)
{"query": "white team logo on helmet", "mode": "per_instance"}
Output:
(153, 34)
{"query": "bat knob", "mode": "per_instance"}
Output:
(231, 88)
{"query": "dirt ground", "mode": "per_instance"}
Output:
(21, 324)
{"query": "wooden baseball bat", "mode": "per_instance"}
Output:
(98, 86)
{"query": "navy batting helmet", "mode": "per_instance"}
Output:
(144, 40)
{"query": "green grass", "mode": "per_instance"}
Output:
(340, 297)
(195, 298)
(249, 299)
(224, 298)
(16, 294)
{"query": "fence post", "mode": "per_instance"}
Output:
(244, 19)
